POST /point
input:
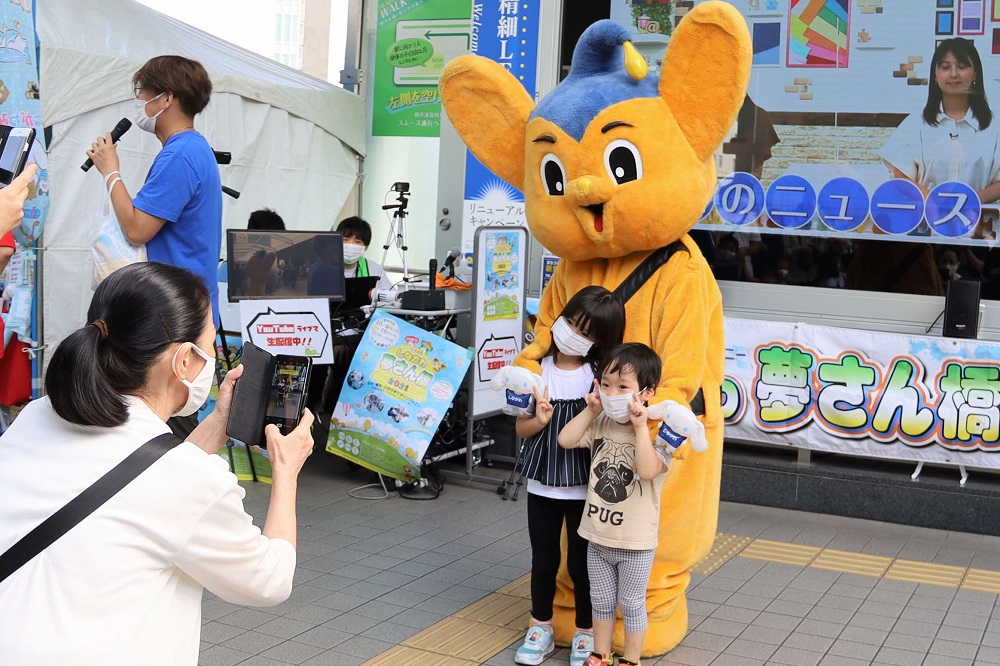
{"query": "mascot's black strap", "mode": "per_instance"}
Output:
(645, 270)
(638, 277)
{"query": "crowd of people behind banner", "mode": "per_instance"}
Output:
(894, 266)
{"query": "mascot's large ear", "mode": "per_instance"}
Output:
(705, 73)
(490, 110)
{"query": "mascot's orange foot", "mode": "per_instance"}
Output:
(662, 636)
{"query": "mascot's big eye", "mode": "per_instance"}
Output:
(623, 162)
(553, 175)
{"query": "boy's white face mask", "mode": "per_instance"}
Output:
(616, 406)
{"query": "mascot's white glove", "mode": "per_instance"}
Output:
(679, 425)
(518, 383)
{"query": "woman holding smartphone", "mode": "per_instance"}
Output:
(124, 586)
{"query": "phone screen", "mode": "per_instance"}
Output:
(288, 392)
(13, 154)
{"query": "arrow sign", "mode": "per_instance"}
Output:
(494, 354)
(430, 34)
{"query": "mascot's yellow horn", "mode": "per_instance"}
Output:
(635, 64)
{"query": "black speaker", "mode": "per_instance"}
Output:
(961, 309)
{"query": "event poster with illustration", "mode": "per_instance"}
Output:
(399, 386)
(833, 139)
(501, 291)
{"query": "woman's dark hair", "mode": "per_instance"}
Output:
(135, 315)
(185, 79)
(965, 52)
(600, 316)
(265, 219)
(636, 357)
(356, 227)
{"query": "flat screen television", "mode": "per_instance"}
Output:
(285, 264)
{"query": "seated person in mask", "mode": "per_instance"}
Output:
(357, 238)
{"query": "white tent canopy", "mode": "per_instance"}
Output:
(295, 140)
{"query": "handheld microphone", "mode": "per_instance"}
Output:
(432, 275)
(449, 261)
(123, 126)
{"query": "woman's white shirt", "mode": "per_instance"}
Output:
(954, 150)
(125, 585)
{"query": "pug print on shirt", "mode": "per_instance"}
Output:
(622, 511)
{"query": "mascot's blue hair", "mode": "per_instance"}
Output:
(596, 80)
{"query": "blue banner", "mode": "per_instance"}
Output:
(401, 382)
(506, 32)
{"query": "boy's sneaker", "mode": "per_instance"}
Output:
(596, 659)
(580, 648)
(539, 643)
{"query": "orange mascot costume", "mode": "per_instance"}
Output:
(617, 166)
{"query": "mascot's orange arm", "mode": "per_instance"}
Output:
(680, 327)
(551, 304)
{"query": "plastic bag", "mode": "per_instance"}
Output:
(110, 248)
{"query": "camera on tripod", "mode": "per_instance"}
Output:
(401, 187)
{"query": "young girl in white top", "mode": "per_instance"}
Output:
(592, 323)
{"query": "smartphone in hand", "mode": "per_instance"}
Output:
(289, 384)
(15, 144)
(272, 389)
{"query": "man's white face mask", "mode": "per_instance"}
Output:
(353, 252)
(141, 119)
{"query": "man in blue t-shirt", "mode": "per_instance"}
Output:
(178, 211)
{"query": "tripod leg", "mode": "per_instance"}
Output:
(401, 243)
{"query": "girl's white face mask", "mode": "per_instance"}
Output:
(199, 389)
(569, 341)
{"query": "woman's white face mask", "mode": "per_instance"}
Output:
(199, 389)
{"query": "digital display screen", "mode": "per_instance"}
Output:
(285, 264)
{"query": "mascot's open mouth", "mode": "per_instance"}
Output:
(598, 211)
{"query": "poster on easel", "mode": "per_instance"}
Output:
(400, 383)
(498, 293)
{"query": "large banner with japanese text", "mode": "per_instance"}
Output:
(506, 32)
(414, 40)
(400, 383)
(863, 393)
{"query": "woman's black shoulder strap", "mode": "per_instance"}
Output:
(84, 504)
(645, 270)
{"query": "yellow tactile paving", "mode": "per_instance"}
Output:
(779, 551)
(485, 628)
(456, 637)
(846, 561)
(407, 656)
(925, 572)
(518, 588)
(725, 547)
(982, 580)
(501, 610)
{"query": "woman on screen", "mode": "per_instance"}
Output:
(954, 138)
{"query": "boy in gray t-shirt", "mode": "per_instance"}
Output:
(621, 516)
